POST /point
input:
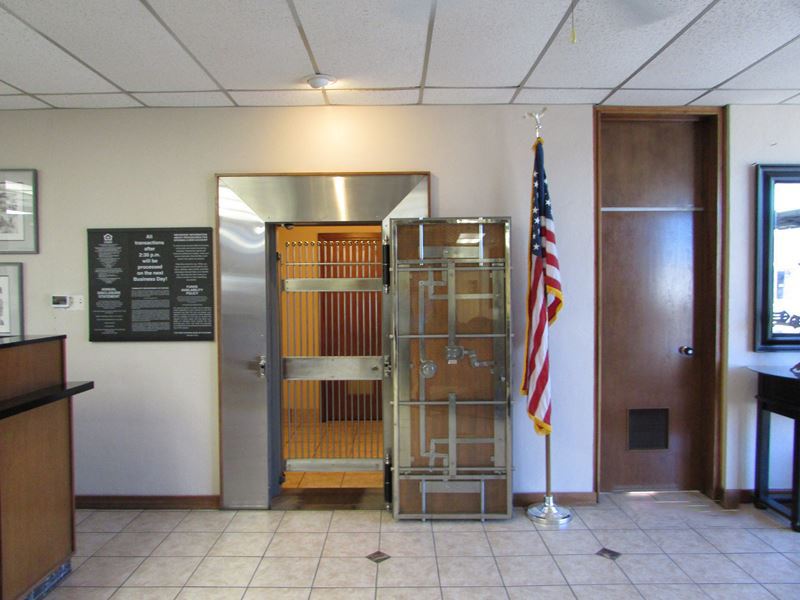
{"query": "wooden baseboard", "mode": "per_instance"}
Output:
(565, 498)
(213, 502)
(731, 499)
(145, 502)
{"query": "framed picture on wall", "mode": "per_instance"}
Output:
(18, 212)
(10, 299)
(777, 286)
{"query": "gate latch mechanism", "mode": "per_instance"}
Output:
(261, 365)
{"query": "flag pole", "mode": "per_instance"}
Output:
(548, 512)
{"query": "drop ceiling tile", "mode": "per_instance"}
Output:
(779, 71)
(7, 89)
(368, 43)
(793, 100)
(612, 39)
(373, 97)
(467, 95)
(245, 44)
(489, 44)
(279, 98)
(653, 97)
(561, 96)
(90, 100)
(184, 99)
(20, 102)
(723, 97)
(119, 38)
(731, 36)
(33, 64)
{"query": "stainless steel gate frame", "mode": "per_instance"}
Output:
(248, 208)
(435, 269)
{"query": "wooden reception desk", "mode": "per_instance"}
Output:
(36, 492)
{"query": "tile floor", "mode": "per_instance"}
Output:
(673, 546)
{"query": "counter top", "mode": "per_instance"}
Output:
(21, 340)
(18, 404)
(784, 372)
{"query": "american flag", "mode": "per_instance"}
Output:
(544, 297)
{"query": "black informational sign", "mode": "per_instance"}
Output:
(151, 285)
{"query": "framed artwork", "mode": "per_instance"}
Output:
(10, 299)
(777, 285)
(18, 212)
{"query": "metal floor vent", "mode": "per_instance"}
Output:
(648, 429)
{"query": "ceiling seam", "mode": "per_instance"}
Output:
(185, 48)
(24, 93)
(72, 55)
(556, 31)
(426, 59)
(790, 98)
(301, 30)
(750, 66)
(663, 48)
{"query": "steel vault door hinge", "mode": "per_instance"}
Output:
(387, 279)
(387, 366)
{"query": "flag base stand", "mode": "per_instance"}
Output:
(548, 512)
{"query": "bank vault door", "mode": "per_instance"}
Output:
(332, 357)
(264, 363)
(451, 353)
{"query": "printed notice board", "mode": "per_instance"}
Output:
(151, 285)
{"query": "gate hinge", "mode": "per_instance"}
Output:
(387, 366)
(387, 279)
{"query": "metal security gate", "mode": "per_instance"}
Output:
(332, 360)
(452, 434)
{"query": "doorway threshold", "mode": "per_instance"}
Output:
(329, 499)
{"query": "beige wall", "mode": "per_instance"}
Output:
(150, 426)
(767, 135)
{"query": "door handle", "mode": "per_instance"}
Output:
(686, 350)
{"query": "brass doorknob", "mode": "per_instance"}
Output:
(686, 350)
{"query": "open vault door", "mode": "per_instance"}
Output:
(251, 364)
(450, 353)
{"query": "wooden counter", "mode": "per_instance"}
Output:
(36, 487)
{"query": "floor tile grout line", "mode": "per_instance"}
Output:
(203, 558)
(436, 560)
(494, 558)
(319, 560)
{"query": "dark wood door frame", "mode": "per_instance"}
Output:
(715, 165)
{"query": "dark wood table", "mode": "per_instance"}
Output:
(779, 393)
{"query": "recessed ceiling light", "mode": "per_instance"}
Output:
(320, 80)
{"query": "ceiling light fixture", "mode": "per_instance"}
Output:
(320, 81)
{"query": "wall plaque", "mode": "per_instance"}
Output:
(151, 285)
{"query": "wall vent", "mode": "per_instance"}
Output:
(648, 429)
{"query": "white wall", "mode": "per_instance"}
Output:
(150, 426)
(767, 135)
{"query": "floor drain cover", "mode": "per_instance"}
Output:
(378, 556)
(608, 553)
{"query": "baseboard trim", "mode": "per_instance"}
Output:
(732, 498)
(213, 502)
(564, 498)
(147, 502)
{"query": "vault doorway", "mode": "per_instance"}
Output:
(331, 299)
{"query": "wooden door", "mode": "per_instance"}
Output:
(657, 349)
